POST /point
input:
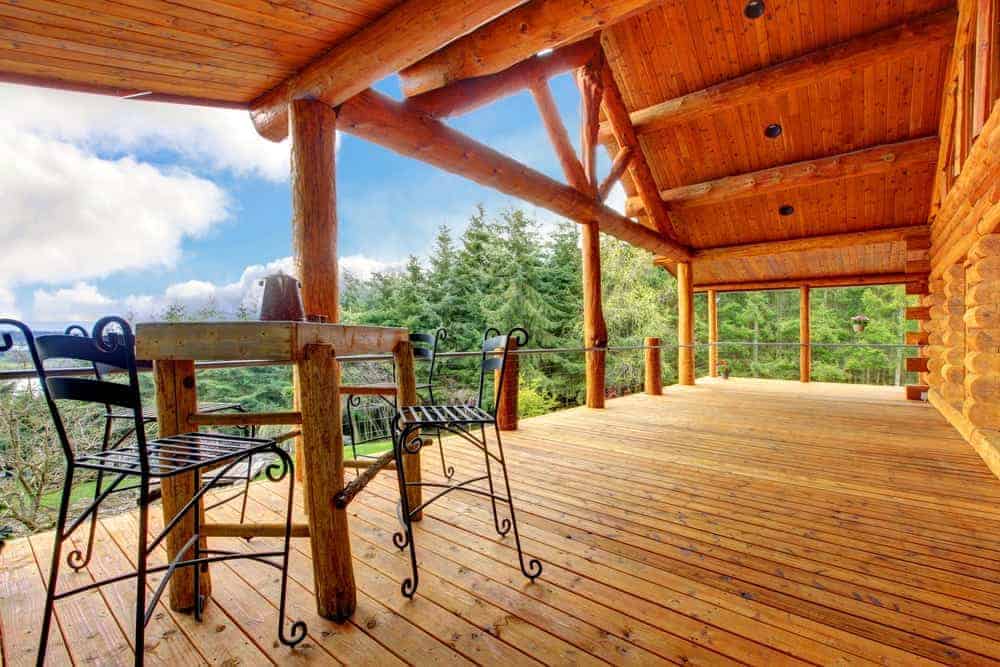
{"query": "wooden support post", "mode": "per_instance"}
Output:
(805, 344)
(323, 453)
(713, 333)
(685, 324)
(595, 329)
(176, 401)
(406, 377)
(654, 370)
(506, 400)
(314, 223)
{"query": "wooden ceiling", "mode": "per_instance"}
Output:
(682, 47)
(855, 85)
(226, 52)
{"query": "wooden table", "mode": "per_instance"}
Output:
(312, 349)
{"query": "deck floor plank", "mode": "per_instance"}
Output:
(747, 521)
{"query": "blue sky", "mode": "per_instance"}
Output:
(125, 205)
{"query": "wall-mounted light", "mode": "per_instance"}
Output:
(754, 9)
(786, 209)
(772, 131)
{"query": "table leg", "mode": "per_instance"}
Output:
(323, 456)
(406, 379)
(176, 401)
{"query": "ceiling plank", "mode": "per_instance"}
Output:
(383, 121)
(516, 36)
(866, 162)
(838, 61)
(825, 242)
(468, 95)
(401, 37)
(642, 175)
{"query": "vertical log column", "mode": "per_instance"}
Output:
(591, 83)
(685, 324)
(805, 344)
(406, 379)
(176, 401)
(982, 318)
(506, 398)
(317, 378)
(713, 333)
(654, 368)
(953, 336)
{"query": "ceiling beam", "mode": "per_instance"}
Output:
(639, 171)
(835, 62)
(824, 242)
(383, 121)
(467, 95)
(399, 38)
(795, 283)
(866, 162)
(516, 36)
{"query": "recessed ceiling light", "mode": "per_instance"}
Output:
(772, 131)
(544, 52)
(754, 9)
(135, 95)
(786, 209)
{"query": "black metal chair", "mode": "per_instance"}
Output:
(462, 421)
(149, 461)
(425, 346)
(113, 415)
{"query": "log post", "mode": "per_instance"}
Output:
(685, 324)
(713, 333)
(314, 223)
(595, 329)
(323, 454)
(805, 343)
(406, 379)
(654, 371)
(506, 400)
(176, 401)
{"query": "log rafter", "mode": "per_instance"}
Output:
(866, 162)
(837, 61)
(376, 118)
(400, 38)
(822, 242)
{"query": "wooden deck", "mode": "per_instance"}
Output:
(744, 521)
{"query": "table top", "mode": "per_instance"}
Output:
(259, 341)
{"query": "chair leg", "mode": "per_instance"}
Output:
(76, 559)
(140, 574)
(405, 539)
(196, 517)
(502, 527)
(50, 590)
(533, 568)
(446, 470)
(299, 629)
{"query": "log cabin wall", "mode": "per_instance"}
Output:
(963, 339)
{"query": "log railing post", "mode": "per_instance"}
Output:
(506, 399)
(406, 379)
(685, 325)
(713, 333)
(176, 401)
(805, 344)
(654, 369)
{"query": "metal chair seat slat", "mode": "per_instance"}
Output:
(174, 454)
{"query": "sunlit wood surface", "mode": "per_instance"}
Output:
(743, 521)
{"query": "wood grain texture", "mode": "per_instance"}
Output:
(652, 367)
(406, 379)
(730, 533)
(404, 35)
(685, 324)
(805, 337)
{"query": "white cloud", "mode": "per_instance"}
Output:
(616, 198)
(220, 139)
(80, 303)
(69, 215)
(83, 302)
(8, 304)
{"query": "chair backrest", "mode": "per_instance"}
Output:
(425, 346)
(492, 360)
(103, 349)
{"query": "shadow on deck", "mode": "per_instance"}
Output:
(750, 521)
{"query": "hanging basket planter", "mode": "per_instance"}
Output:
(859, 322)
(723, 368)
